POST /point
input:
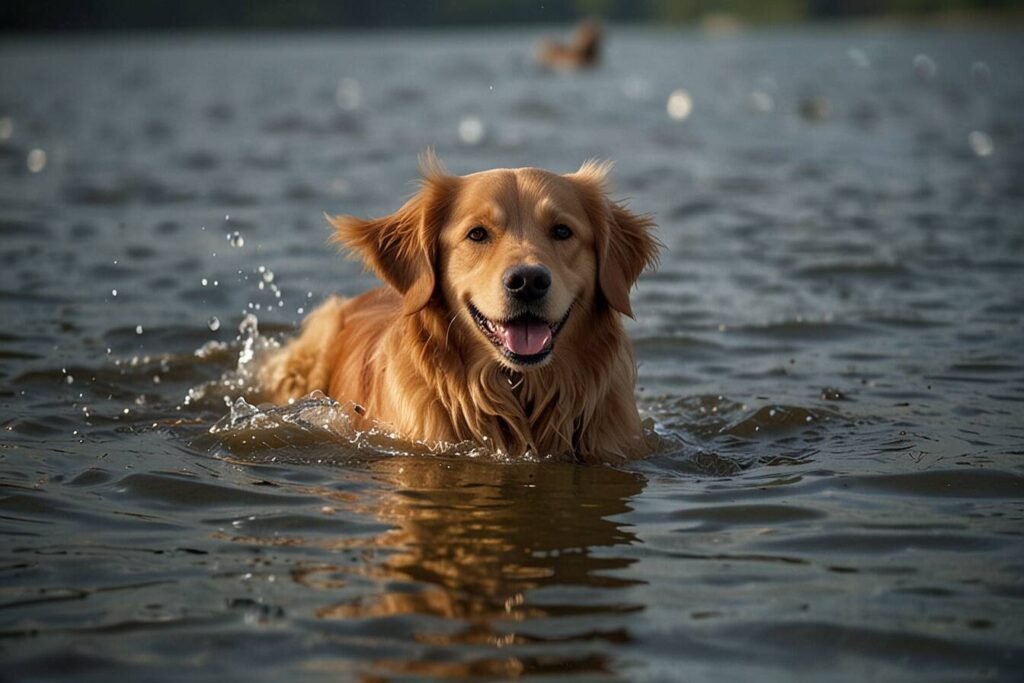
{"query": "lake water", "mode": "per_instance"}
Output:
(832, 353)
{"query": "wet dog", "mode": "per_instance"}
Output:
(500, 322)
(583, 51)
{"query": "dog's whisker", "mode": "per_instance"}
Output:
(448, 331)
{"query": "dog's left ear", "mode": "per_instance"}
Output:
(402, 248)
(626, 246)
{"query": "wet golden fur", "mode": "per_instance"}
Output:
(410, 354)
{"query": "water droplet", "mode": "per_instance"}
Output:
(348, 95)
(204, 281)
(36, 160)
(471, 130)
(213, 323)
(268, 275)
(156, 379)
(113, 292)
(138, 329)
(680, 104)
(69, 379)
(981, 143)
(235, 239)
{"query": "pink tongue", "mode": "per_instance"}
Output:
(526, 338)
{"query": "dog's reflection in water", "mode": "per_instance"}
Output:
(472, 542)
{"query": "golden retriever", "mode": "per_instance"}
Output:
(500, 322)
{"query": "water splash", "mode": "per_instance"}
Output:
(248, 334)
(316, 427)
(243, 380)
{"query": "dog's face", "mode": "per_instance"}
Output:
(519, 256)
(517, 260)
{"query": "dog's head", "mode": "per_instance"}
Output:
(520, 256)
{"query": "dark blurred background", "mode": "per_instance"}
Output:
(84, 15)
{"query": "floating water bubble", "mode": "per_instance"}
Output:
(36, 160)
(235, 239)
(679, 105)
(204, 281)
(981, 72)
(349, 94)
(981, 143)
(6, 127)
(113, 292)
(69, 379)
(762, 101)
(138, 329)
(300, 310)
(859, 58)
(213, 323)
(268, 275)
(471, 130)
(925, 67)
(156, 379)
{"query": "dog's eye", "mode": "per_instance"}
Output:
(478, 234)
(561, 232)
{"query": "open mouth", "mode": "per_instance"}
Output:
(525, 339)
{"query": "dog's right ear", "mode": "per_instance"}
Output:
(402, 248)
(625, 243)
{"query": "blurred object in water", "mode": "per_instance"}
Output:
(582, 52)
(815, 108)
(720, 24)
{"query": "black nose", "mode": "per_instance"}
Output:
(527, 283)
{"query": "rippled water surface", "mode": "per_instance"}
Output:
(831, 352)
